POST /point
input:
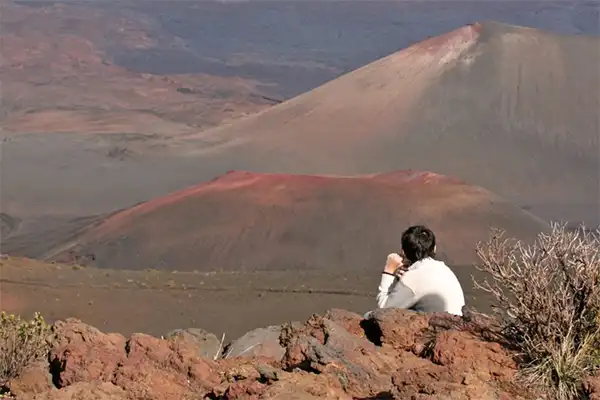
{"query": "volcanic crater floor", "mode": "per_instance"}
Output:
(156, 302)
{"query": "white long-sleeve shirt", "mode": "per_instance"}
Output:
(428, 286)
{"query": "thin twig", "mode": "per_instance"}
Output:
(248, 349)
(220, 347)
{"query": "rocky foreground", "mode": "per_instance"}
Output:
(396, 354)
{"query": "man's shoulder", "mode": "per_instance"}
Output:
(443, 268)
(422, 271)
(414, 277)
(426, 264)
(433, 263)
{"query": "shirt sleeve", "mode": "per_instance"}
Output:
(385, 287)
(401, 297)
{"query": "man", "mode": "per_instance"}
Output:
(417, 281)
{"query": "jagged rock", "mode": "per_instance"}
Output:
(81, 353)
(361, 368)
(592, 387)
(395, 354)
(397, 328)
(263, 342)
(208, 345)
(426, 380)
(32, 380)
(461, 351)
(144, 366)
(349, 320)
(305, 386)
(162, 369)
(237, 380)
(82, 391)
(247, 381)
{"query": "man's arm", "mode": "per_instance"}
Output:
(394, 293)
(385, 287)
(389, 285)
(401, 297)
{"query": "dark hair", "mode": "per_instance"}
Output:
(418, 242)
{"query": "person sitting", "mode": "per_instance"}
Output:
(416, 280)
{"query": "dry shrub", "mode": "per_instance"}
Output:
(548, 298)
(21, 343)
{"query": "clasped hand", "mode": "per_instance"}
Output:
(395, 264)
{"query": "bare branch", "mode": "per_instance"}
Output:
(548, 298)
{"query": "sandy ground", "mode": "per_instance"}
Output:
(155, 302)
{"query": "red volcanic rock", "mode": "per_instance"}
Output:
(304, 386)
(397, 329)
(81, 353)
(160, 369)
(32, 380)
(462, 351)
(350, 321)
(325, 347)
(327, 357)
(250, 221)
(82, 391)
(592, 387)
(144, 366)
(264, 382)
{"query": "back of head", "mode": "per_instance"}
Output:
(418, 243)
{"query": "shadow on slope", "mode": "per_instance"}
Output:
(8, 225)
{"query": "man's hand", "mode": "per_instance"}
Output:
(394, 261)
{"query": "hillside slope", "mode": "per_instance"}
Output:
(7, 225)
(244, 221)
(512, 109)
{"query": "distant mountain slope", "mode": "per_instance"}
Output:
(248, 221)
(7, 225)
(58, 75)
(512, 109)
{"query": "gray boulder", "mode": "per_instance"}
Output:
(208, 344)
(262, 342)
